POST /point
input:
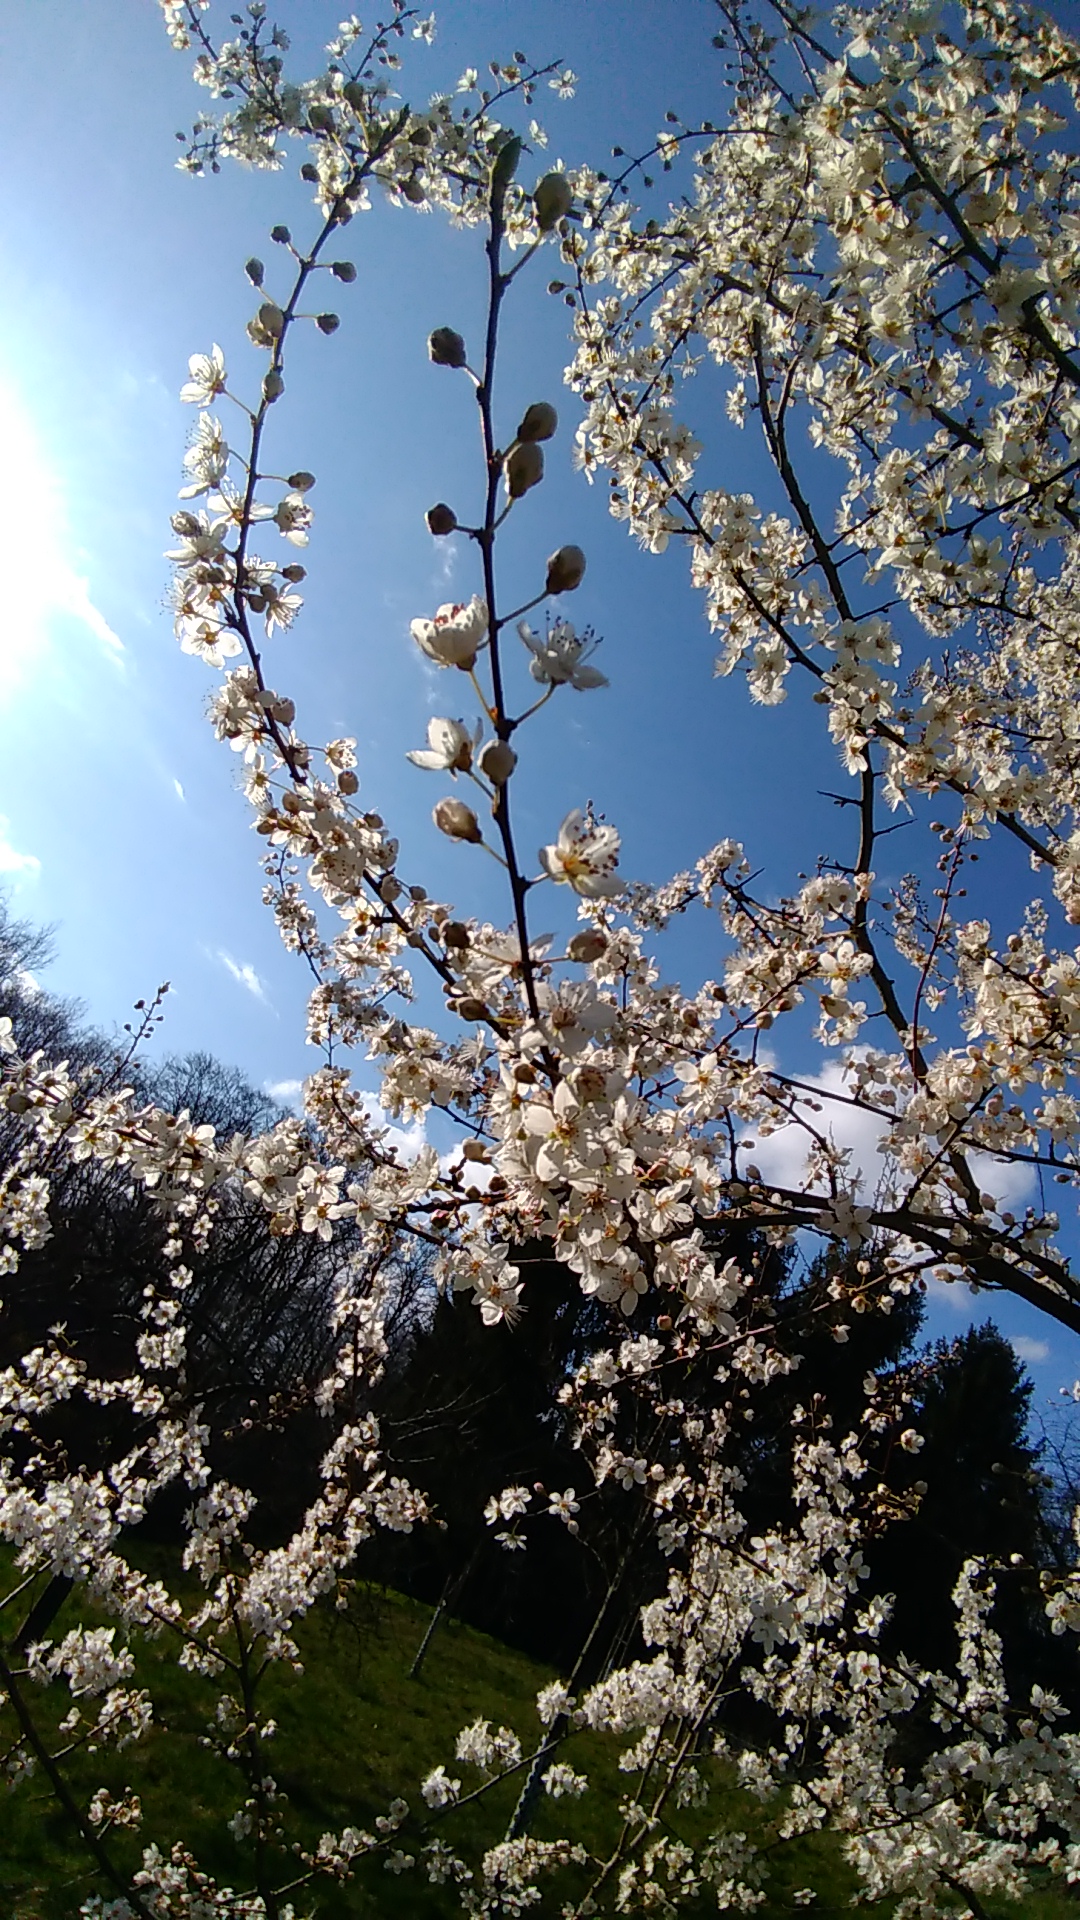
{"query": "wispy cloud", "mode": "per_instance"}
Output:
(23, 866)
(178, 790)
(44, 583)
(447, 552)
(1034, 1351)
(245, 975)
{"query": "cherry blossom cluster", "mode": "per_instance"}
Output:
(877, 252)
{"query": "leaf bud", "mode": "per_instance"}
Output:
(498, 761)
(504, 169)
(347, 781)
(565, 570)
(273, 386)
(343, 270)
(524, 468)
(254, 270)
(456, 820)
(281, 236)
(470, 1008)
(455, 934)
(446, 348)
(539, 421)
(552, 200)
(588, 945)
(301, 482)
(441, 519)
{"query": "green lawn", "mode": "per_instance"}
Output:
(354, 1731)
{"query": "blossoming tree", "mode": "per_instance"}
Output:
(877, 256)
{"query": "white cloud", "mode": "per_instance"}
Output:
(24, 866)
(244, 973)
(178, 790)
(782, 1156)
(406, 1142)
(42, 582)
(285, 1092)
(1034, 1351)
(950, 1293)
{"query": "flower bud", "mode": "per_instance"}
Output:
(565, 570)
(254, 270)
(390, 888)
(524, 469)
(456, 820)
(412, 190)
(327, 322)
(498, 761)
(470, 1008)
(347, 781)
(539, 421)
(343, 270)
(281, 236)
(295, 572)
(588, 945)
(446, 348)
(271, 318)
(356, 95)
(273, 386)
(552, 200)
(441, 519)
(474, 1150)
(455, 934)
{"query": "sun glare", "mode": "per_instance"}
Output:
(43, 585)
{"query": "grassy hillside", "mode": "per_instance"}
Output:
(354, 1732)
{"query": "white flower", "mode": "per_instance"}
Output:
(207, 380)
(449, 749)
(563, 1506)
(584, 856)
(558, 657)
(439, 1790)
(455, 636)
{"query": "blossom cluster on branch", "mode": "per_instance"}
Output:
(878, 251)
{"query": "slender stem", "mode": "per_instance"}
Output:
(91, 1840)
(497, 284)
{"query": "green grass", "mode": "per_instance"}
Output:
(355, 1731)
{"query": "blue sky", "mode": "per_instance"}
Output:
(119, 819)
